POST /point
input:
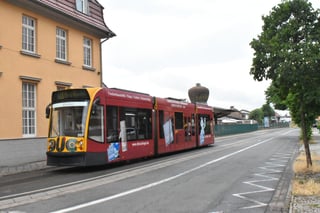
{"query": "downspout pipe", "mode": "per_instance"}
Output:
(101, 42)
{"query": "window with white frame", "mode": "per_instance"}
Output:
(87, 52)
(61, 44)
(28, 109)
(28, 34)
(82, 6)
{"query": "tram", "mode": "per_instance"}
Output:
(96, 126)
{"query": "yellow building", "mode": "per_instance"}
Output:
(45, 46)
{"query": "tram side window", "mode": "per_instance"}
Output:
(178, 116)
(129, 115)
(161, 122)
(187, 126)
(167, 126)
(96, 127)
(204, 123)
(144, 129)
(137, 123)
(193, 125)
(112, 124)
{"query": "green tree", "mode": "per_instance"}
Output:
(273, 96)
(288, 52)
(257, 115)
(267, 110)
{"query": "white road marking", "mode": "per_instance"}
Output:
(102, 200)
(273, 163)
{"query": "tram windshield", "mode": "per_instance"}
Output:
(69, 119)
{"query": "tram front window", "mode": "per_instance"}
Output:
(68, 119)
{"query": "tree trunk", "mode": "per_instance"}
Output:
(305, 139)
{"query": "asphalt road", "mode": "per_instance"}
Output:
(240, 173)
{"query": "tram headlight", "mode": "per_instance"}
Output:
(51, 145)
(71, 145)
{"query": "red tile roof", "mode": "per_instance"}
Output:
(67, 8)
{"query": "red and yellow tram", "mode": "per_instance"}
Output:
(98, 126)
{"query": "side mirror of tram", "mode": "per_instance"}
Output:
(95, 106)
(48, 111)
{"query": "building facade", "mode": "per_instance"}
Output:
(45, 45)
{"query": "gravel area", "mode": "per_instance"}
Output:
(305, 204)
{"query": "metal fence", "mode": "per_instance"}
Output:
(229, 129)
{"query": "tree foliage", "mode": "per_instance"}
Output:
(288, 52)
(257, 115)
(267, 110)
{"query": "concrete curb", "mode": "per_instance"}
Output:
(32, 166)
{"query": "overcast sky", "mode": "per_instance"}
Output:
(165, 47)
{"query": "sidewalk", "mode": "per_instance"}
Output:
(21, 155)
(308, 203)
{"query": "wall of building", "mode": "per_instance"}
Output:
(44, 71)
